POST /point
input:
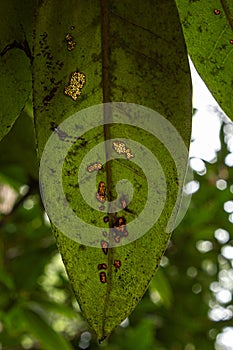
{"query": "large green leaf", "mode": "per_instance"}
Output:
(15, 59)
(208, 30)
(130, 52)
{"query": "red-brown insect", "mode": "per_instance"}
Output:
(117, 263)
(120, 224)
(104, 246)
(231, 41)
(119, 229)
(102, 266)
(106, 219)
(217, 11)
(117, 238)
(100, 195)
(103, 278)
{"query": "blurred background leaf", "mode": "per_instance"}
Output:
(15, 59)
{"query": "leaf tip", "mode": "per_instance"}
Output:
(100, 340)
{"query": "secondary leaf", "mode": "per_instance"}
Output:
(15, 57)
(20, 138)
(47, 337)
(123, 51)
(208, 30)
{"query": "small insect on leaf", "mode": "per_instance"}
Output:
(117, 264)
(217, 11)
(103, 278)
(102, 266)
(106, 219)
(100, 195)
(104, 246)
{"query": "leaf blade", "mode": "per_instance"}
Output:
(148, 78)
(15, 60)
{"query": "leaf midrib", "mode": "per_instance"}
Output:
(106, 116)
(227, 13)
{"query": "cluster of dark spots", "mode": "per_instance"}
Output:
(43, 40)
(59, 64)
(49, 97)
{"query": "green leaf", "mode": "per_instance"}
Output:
(128, 53)
(141, 337)
(208, 30)
(15, 59)
(42, 331)
(18, 147)
(161, 285)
